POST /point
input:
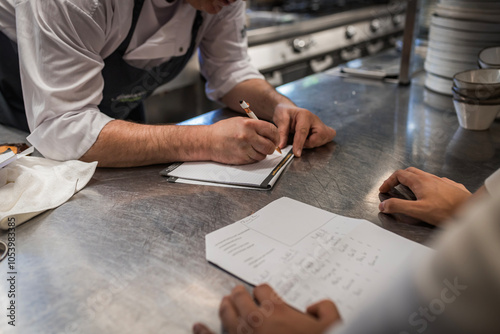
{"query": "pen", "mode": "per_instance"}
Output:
(250, 114)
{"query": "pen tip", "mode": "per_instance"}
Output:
(241, 101)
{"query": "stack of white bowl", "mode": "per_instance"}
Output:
(476, 96)
(459, 30)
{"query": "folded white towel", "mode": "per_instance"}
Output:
(33, 185)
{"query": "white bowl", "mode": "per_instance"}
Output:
(475, 97)
(438, 84)
(454, 2)
(453, 47)
(446, 69)
(468, 25)
(437, 36)
(475, 117)
(474, 6)
(490, 57)
(465, 35)
(437, 100)
(451, 56)
(467, 14)
(487, 79)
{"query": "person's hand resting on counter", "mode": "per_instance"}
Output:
(438, 198)
(239, 313)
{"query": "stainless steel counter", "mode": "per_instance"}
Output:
(126, 254)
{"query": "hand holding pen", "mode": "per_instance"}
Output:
(251, 114)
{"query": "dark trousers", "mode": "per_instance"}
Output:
(12, 112)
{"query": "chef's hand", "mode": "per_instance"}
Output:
(241, 140)
(240, 314)
(309, 131)
(438, 198)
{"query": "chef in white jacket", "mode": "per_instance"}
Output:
(71, 72)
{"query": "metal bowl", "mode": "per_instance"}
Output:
(490, 57)
(475, 116)
(478, 79)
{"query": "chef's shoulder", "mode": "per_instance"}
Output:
(103, 13)
(96, 26)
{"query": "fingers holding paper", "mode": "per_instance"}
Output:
(241, 140)
(308, 130)
(239, 313)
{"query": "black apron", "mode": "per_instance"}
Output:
(11, 94)
(125, 86)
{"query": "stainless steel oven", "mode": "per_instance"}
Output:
(290, 39)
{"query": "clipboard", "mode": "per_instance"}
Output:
(261, 175)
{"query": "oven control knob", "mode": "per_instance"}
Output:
(397, 20)
(301, 44)
(375, 25)
(350, 32)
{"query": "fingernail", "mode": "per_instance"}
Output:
(299, 153)
(381, 206)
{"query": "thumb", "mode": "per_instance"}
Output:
(318, 138)
(283, 125)
(396, 205)
(325, 311)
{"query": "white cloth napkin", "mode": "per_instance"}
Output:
(33, 185)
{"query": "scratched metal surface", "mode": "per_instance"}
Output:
(126, 254)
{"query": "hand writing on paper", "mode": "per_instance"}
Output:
(309, 131)
(240, 140)
(240, 314)
(438, 198)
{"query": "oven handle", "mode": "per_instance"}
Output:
(321, 65)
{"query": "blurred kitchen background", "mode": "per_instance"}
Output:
(290, 39)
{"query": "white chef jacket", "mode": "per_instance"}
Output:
(456, 290)
(63, 43)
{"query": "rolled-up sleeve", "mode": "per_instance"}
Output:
(224, 60)
(59, 47)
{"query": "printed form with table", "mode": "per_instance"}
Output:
(307, 254)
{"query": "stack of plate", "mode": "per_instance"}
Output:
(459, 30)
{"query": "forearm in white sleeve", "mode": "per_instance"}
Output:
(457, 290)
(224, 60)
(59, 47)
